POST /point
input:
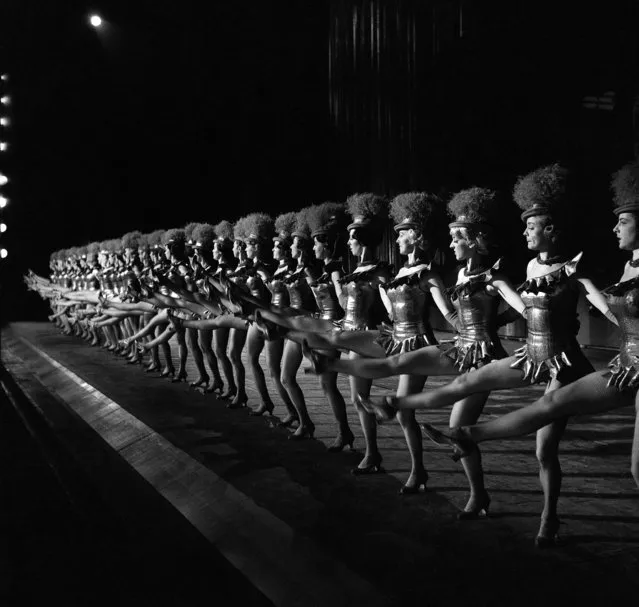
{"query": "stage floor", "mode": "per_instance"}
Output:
(303, 530)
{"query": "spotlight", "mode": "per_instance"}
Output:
(3, 253)
(3, 146)
(3, 227)
(4, 77)
(4, 121)
(3, 202)
(95, 20)
(3, 179)
(6, 100)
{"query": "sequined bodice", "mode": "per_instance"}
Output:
(299, 292)
(277, 287)
(410, 306)
(623, 301)
(325, 295)
(551, 311)
(476, 311)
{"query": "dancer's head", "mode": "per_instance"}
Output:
(130, 243)
(284, 227)
(369, 213)
(223, 245)
(625, 186)
(302, 244)
(474, 213)
(189, 228)
(258, 230)
(174, 242)
(544, 196)
(327, 222)
(203, 238)
(415, 215)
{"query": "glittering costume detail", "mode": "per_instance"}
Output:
(623, 300)
(477, 342)
(363, 304)
(551, 345)
(277, 287)
(324, 293)
(410, 303)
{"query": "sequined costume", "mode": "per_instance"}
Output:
(277, 286)
(551, 349)
(477, 342)
(299, 291)
(363, 309)
(325, 295)
(410, 303)
(623, 301)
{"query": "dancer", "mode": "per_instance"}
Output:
(476, 296)
(551, 354)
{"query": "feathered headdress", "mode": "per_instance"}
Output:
(327, 218)
(131, 240)
(302, 228)
(239, 230)
(414, 210)
(284, 227)
(258, 227)
(625, 187)
(224, 231)
(92, 249)
(366, 209)
(154, 239)
(543, 191)
(174, 236)
(143, 242)
(204, 236)
(474, 207)
(189, 228)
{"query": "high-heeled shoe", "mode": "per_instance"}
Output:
(479, 508)
(343, 439)
(413, 488)
(180, 377)
(152, 367)
(216, 386)
(306, 430)
(288, 421)
(463, 445)
(547, 536)
(230, 393)
(319, 362)
(202, 381)
(168, 371)
(265, 407)
(239, 402)
(373, 467)
(382, 407)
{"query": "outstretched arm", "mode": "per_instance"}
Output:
(594, 296)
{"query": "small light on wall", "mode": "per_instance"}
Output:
(3, 253)
(95, 20)
(3, 202)
(3, 227)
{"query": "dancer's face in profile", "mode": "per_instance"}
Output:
(460, 245)
(538, 233)
(353, 244)
(626, 231)
(320, 249)
(251, 249)
(278, 250)
(296, 249)
(406, 241)
(237, 248)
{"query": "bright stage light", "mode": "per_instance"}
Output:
(3, 253)
(3, 146)
(6, 100)
(3, 202)
(4, 121)
(3, 227)
(95, 20)
(3, 179)
(4, 77)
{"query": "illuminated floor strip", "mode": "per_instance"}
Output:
(287, 568)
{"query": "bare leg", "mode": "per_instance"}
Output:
(372, 457)
(274, 353)
(255, 345)
(237, 339)
(328, 383)
(291, 361)
(410, 384)
(226, 321)
(220, 343)
(205, 340)
(183, 353)
(198, 358)
(362, 342)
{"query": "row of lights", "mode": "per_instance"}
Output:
(5, 102)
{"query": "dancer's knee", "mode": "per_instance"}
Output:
(287, 379)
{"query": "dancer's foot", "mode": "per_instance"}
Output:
(414, 483)
(265, 407)
(457, 438)
(304, 431)
(239, 402)
(477, 506)
(547, 536)
(319, 362)
(216, 386)
(200, 382)
(180, 377)
(371, 464)
(229, 394)
(289, 420)
(381, 407)
(154, 366)
(167, 372)
(344, 438)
